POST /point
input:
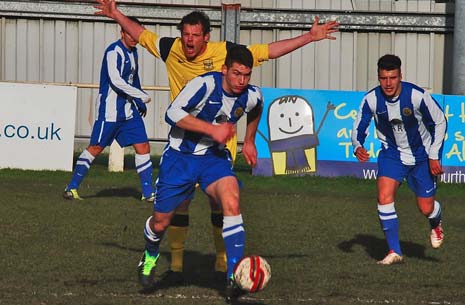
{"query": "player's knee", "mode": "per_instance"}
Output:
(426, 206)
(161, 226)
(142, 148)
(95, 150)
(160, 222)
(425, 211)
(231, 208)
(384, 198)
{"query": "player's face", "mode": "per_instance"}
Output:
(127, 40)
(193, 40)
(236, 78)
(390, 82)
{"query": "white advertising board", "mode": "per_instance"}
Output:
(37, 124)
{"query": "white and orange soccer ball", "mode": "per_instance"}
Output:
(252, 273)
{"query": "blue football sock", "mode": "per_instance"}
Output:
(145, 169)
(152, 239)
(435, 216)
(234, 240)
(80, 171)
(390, 225)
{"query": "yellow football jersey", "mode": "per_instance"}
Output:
(180, 70)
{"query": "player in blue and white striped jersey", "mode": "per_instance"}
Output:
(119, 109)
(205, 99)
(411, 127)
(202, 119)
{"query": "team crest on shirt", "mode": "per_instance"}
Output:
(208, 64)
(238, 112)
(407, 111)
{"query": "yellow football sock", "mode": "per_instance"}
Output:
(217, 232)
(220, 263)
(177, 234)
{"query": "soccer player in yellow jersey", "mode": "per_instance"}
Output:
(189, 56)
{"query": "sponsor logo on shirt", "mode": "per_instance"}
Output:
(208, 64)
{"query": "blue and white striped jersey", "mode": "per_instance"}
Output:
(119, 84)
(411, 127)
(204, 98)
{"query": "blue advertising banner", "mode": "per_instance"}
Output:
(308, 132)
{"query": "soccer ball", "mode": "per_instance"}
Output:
(252, 273)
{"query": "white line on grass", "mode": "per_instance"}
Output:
(287, 300)
(249, 298)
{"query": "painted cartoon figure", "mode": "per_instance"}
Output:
(292, 137)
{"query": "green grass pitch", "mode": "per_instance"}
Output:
(321, 237)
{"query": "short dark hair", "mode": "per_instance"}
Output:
(389, 62)
(196, 17)
(239, 54)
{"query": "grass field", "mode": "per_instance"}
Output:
(321, 237)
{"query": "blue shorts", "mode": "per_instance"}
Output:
(126, 133)
(179, 173)
(418, 176)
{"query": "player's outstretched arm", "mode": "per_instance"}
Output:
(108, 8)
(317, 32)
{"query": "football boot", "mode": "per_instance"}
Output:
(437, 236)
(71, 194)
(146, 269)
(391, 258)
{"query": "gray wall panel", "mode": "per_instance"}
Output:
(361, 64)
(346, 61)
(438, 64)
(423, 66)
(334, 63)
(284, 65)
(373, 46)
(33, 50)
(296, 70)
(308, 66)
(21, 49)
(9, 47)
(63, 51)
(72, 51)
(47, 50)
(322, 62)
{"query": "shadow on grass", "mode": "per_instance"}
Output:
(376, 247)
(129, 192)
(198, 271)
(122, 247)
